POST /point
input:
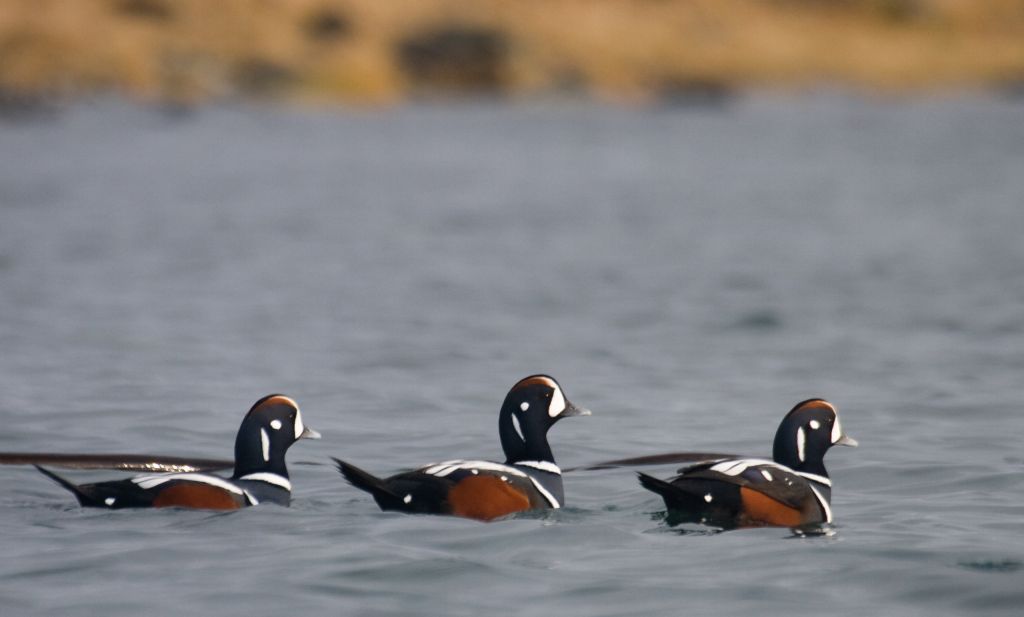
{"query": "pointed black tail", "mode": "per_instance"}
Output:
(676, 497)
(656, 485)
(370, 483)
(82, 497)
(691, 502)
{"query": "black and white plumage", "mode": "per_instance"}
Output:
(529, 478)
(272, 425)
(793, 490)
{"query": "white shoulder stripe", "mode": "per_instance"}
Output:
(824, 504)
(269, 478)
(547, 495)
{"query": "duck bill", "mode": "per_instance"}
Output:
(573, 410)
(845, 440)
(308, 433)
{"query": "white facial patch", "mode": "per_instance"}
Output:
(708, 498)
(801, 442)
(265, 442)
(815, 425)
(557, 404)
(515, 425)
(524, 405)
(276, 425)
(837, 430)
(299, 426)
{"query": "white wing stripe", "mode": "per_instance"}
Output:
(148, 482)
(736, 467)
(444, 468)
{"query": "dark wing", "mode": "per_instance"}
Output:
(770, 479)
(160, 491)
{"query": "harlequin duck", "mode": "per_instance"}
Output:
(272, 425)
(794, 490)
(528, 479)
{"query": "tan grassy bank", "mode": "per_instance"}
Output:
(384, 50)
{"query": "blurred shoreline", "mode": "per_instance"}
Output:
(370, 52)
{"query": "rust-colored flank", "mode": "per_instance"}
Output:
(486, 498)
(759, 508)
(196, 496)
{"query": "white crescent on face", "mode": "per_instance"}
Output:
(837, 430)
(299, 426)
(557, 404)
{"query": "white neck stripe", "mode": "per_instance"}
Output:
(269, 478)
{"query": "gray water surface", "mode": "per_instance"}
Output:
(688, 274)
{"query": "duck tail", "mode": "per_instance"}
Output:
(83, 498)
(656, 485)
(370, 483)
